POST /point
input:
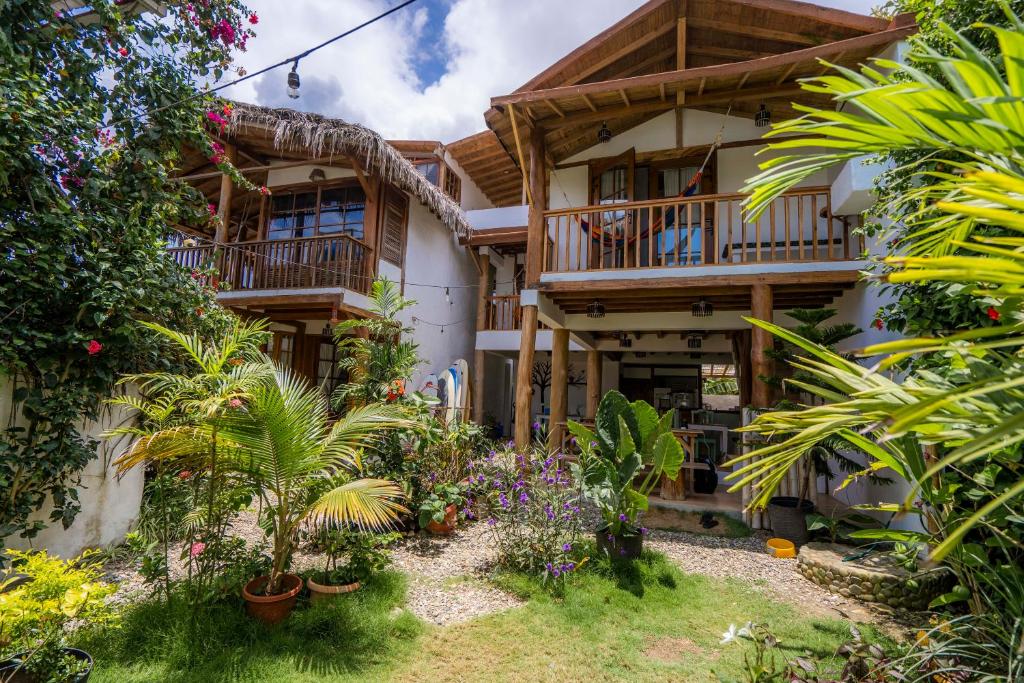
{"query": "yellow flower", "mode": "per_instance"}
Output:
(922, 638)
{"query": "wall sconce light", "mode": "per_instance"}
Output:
(763, 117)
(595, 309)
(604, 134)
(624, 341)
(702, 309)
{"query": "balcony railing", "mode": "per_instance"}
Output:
(308, 262)
(504, 312)
(697, 231)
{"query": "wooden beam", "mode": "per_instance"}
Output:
(717, 71)
(227, 191)
(818, 277)
(479, 359)
(616, 55)
(519, 152)
(593, 382)
(537, 192)
(760, 345)
(750, 30)
(370, 191)
(588, 102)
(559, 386)
(524, 378)
(825, 15)
(554, 108)
(625, 98)
(655, 106)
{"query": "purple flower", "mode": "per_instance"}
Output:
(536, 426)
(480, 478)
(468, 513)
(623, 517)
(518, 485)
(469, 465)
(549, 512)
(523, 498)
(567, 547)
(491, 521)
(643, 531)
(503, 500)
(555, 572)
(611, 538)
(549, 567)
(622, 551)
(572, 566)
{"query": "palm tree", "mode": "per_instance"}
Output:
(276, 439)
(970, 125)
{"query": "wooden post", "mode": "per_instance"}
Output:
(680, 65)
(559, 386)
(535, 220)
(227, 194)
(761, 363)
(524, 377)
(593, 382)
(479, 359)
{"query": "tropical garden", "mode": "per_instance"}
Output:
(291, 535)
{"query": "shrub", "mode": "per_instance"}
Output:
(532, 509)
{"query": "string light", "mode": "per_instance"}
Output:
(293, 81)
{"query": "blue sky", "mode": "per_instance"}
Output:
(429, 70)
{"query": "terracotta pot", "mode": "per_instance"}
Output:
(319, 591)
(451, 518)
(271, 609)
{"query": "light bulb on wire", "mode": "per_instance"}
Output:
(293, 81)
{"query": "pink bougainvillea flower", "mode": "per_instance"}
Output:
(197, 549)
(264, 190)
(235, 403)
(993, 313)
(93, 347)
(212, 208)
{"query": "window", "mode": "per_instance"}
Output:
(324, 211)
(328, 374)
(282, 348)
(392, 240)
(440, 175)
(673, 181)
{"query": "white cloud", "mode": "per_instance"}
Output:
(490, 47)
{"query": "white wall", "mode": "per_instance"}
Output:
(110, 506)
(433, 256)
(472, 196)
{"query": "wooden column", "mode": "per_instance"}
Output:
(559, 386)
(762, 394)
(593, 382)
(479, 360)
(227, 194)
(535, 218)
(524, 377)
(680, 65)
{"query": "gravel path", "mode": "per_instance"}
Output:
(447, 574)
(746, 559)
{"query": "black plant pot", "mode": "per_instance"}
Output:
(622, 546)
(788, 516)
(9, 666)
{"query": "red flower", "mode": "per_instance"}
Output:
(123, 51)
(253, 19)
(212, 208)
(184, 474)
(264, 190)
(227, 110)
(199, 311)
(993, 313)
(877, 323)
(93, 347)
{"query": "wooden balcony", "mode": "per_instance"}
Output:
(706, 230)
(305, 263)
(503, 313)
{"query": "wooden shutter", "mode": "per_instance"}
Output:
(393, 225)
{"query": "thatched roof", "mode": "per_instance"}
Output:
(320, 136)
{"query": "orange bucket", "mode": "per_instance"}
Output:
(781, 548)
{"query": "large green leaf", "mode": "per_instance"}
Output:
(668, 456)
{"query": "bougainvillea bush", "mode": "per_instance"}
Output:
(531, 507)
(95, 109)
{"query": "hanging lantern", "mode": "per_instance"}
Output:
(694, 341)
(624, 341)
(293, 81)
(605, 133)
(595, 309)
(702, 309)
(763, 117)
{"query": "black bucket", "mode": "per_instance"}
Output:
(624, 547)
(11, 665)
(788, 516)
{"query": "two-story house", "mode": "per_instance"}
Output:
(619, 255)
(342, 207)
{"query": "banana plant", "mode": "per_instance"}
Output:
(627, 438)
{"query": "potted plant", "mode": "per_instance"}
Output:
(439, 512)
(280, 443)
(366, 555)
(628, 437)
(36, 606)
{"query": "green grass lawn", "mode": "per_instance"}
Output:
(649, 622)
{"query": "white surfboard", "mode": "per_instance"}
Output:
(452, 393)
(462, 398)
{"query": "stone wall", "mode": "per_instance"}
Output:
(875, 578)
